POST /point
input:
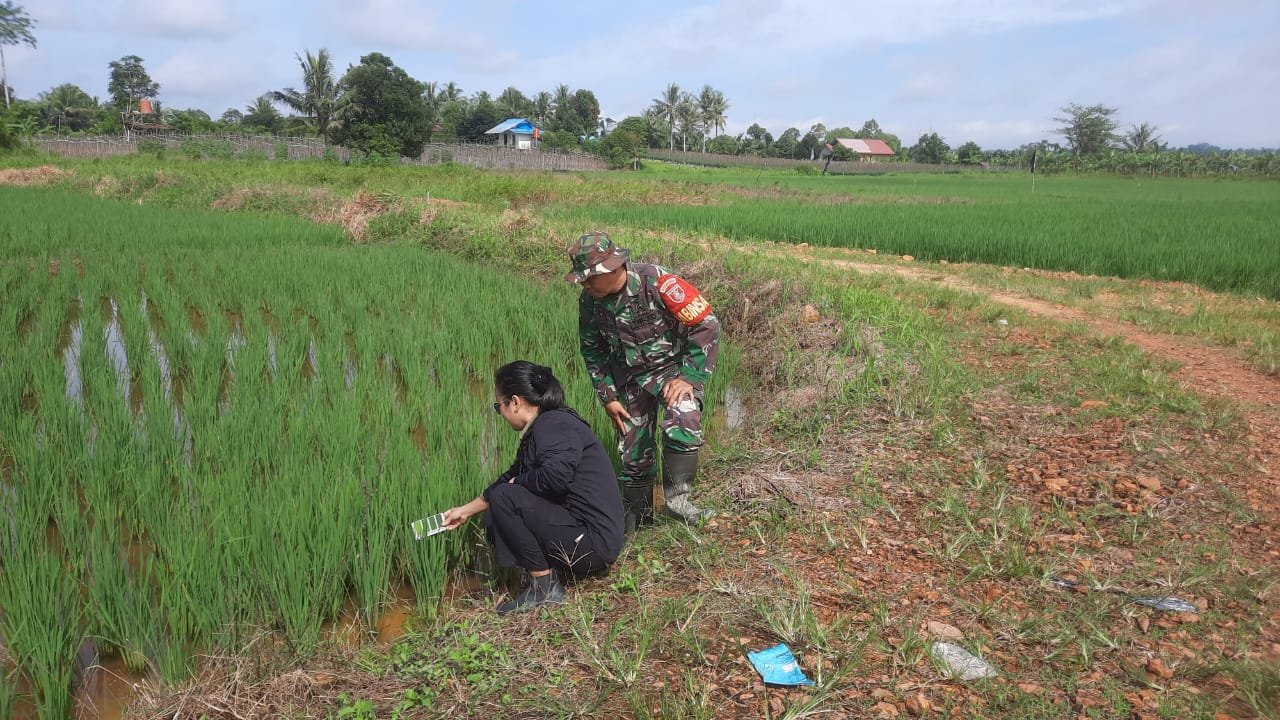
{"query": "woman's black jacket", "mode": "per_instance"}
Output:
(561, 459)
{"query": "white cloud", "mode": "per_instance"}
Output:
(161, 19)
(996, 133)
(195, 74)
(408, 25)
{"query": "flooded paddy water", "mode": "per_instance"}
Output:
(225, 429)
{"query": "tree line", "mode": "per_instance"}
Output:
(376, 109)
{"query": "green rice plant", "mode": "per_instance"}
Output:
(230, 495)
(119, 598)
(42, 618)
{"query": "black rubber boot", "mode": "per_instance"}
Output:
(637, 503)
(678, 472)
(544, 590)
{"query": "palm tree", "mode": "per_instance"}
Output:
(450, 92)
(262, 114)
(665, 107)
(542, 104)
(513, 103)
(689, 118)
(319, 96)
(1141, 138)
(67, 107)
(712, 107)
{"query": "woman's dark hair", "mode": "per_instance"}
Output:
(534, 383)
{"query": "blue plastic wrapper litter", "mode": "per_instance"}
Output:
(778, 666)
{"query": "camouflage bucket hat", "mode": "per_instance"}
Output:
(594, 254)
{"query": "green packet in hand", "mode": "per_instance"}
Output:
(428, 526)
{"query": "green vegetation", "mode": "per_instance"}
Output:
(1127, 228)
(916, 453)
(215, 422)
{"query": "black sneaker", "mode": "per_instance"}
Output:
(545, 590)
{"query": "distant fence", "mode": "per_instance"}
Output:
(837, 167)
(491, 157)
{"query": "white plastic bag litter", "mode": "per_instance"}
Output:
(962, 664)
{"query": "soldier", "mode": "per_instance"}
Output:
(646, 335)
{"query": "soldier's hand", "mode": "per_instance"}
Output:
(675, 391)
(617, 412)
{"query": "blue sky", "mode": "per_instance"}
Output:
(992, 71)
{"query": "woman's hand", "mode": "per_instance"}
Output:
(453, 517)
(617, 412)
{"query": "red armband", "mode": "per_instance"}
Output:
(683, 300)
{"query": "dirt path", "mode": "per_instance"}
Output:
(1208, 370)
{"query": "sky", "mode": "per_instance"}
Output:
(996, 72)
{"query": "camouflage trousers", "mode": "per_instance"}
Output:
(681, 431)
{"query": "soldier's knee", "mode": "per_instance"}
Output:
(678, 439)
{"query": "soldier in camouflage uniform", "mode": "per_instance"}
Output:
(646, 336)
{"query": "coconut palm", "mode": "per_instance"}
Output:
(688, 117)
(513, 103)
(665, 107)
(450, 92)
(1141, 137)
(319, 96)
(67, 107)
(262, 114)
(712, 107)
(542, 104)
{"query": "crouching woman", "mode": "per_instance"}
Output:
(557, 509)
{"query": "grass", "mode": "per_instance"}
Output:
(261, 464)
(915, 454)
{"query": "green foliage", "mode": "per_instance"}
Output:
(318, 99)
(1088, 129)
(622, 146)
(190, 122)
(383, 109)
(262, 116)
(67, 108)
(969, 153)
(129, 82)
(151, 146)
(930, 148)
(354, 708)
(311, 364)
(578, 116)
(724, 145)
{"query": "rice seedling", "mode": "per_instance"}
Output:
(231, 422)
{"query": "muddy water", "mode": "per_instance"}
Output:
(155, 327)
(104, 687)
(70, 340)
(113, 333)
(389, 627)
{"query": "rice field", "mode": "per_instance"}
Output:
(212, 424)
(1220, 234)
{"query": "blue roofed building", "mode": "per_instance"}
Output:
(518, 133)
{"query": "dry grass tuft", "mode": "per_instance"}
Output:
(37, 176)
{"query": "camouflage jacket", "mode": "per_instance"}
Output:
(655, 329)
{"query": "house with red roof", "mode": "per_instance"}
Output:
(865, 150)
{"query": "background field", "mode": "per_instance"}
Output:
(1125, 227)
